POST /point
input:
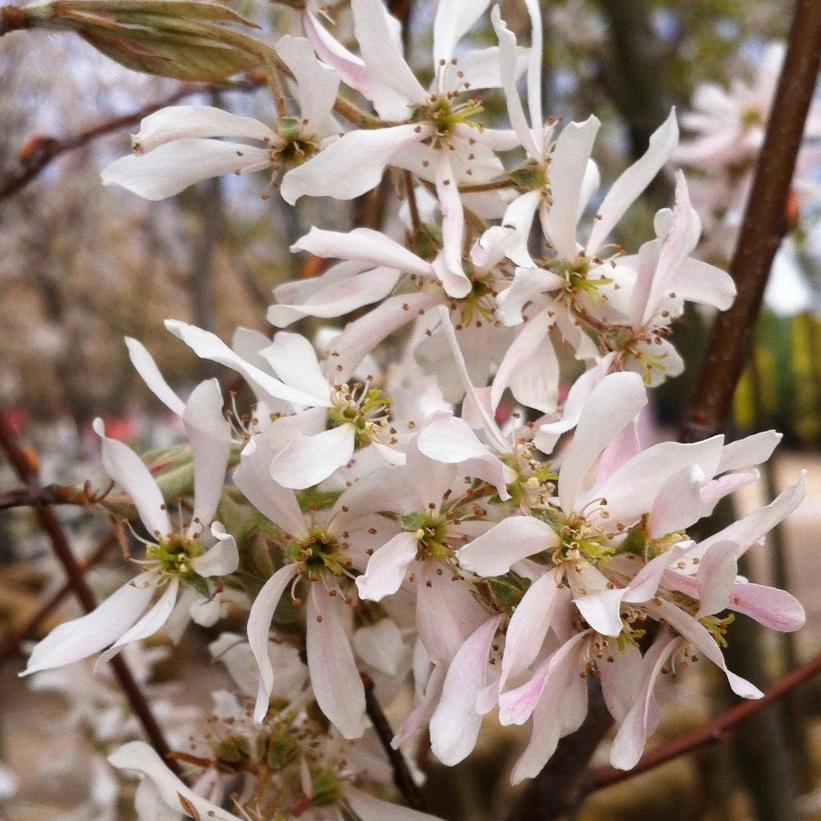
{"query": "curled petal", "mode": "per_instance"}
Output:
(307, 460)
(508, 542)
(387, 567)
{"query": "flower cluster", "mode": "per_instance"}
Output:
(419, 497)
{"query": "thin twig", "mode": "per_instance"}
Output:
(716, 730)
(26, 470)
(12, 645)
(402, 777)
(762, 229)
(48, 495)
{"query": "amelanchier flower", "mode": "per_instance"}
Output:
(180, 145)
(179, 559)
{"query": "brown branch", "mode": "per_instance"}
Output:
(26, 469)
(711, 733)
(12, 645)
(763, 227)
(48, 495)
(40, 151)
(402, 777)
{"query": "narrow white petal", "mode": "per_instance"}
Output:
(369, 808)
(697, 281)
(147, 368)
(221, 559)
(508, 542)
(83, 637)
(334, 677)
(454, 18)
(130, 473)
(259, 626)
(454, 280)
(293, 359)
(381, 646)
(749, 451)
(316, 84)
(174, 166)
(387, 567)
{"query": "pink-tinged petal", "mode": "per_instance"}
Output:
(756, 525)
(629, 186)
(307, 460)
(749, 451)
(277, 503)
(556, 696)
(697, 281)
(328, 173)
(449, 439)
(83, 637)
(454, 18)
(508, 59)
(714, 491)
(369, 808)
(147, 368)
(621, 674)
(628, 744)
(334, 678)
(678, 503)
(352, 71)
(387, 567)
(138, 757)
(337, 298)
(508, 542)
(127, 469)
(698, 635)
(454, 280)
(446, 612)
(421, 714)
(612, 405)
(529, 626)
(207, 345)
(535, 70)
(186, 121)
(429, 478)
(174, 166)
(619, 452)
(363, 245)
(455, 724)
(361, 336)
(716, 575)
(209, 433)
(380, 645)
(381, 53)
(530, 368)
(769, 606)
(631, 490)
(293, 359)
(149, 623)
(316, 84)
(599, 606)
(645, 583)
(221, 559)
(259, 626)
(567, 172)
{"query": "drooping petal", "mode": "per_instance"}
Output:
(387, 567)
(529, 625)
(455, 724)
(328, 173)
(508, 542)
(627, 188)
(621, 674)
(334, 678)
(259, 625)
(645, 583)
(139, 757)
(151, 622)
(567, 172)
(182, 122)
(454, 280)
(130, 473)
(446, 612)
(697, 281)
(293, 359)
(692, 630)
(628, 744)
(381, 53)
(209, 433)
(716, 575)
(174, 166)
(612, 405)
(774, 608)
(147, 368)
(316, 84)
(307, 460)
(83, 637)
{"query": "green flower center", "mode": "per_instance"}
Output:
(366, 409)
